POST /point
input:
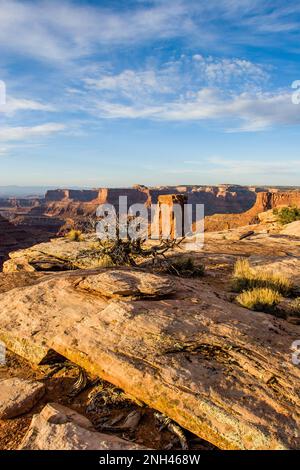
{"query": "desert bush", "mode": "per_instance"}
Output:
(75, 235)
(186, 267)
(286, 215)
(247, 278)
(259, 299)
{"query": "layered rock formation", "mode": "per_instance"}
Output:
(38, 220)
(265, 201)
(72, 205)
(218, 370)
(60, 428)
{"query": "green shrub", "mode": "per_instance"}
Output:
(75, 235)
(259, 299)
(186, 267)
(286, 215)
(247, 278)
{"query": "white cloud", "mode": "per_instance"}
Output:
(247, 112)
(61, 30)
(130, 82)
(8, 134)
(224, 70)
(15, 104)
(190, 89)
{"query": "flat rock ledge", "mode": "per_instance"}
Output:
(122, 283)
(221, 371)
(18, 396)
(60, 428)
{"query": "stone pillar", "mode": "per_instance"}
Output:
(171, 215)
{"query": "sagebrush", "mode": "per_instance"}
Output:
(246, 278)
(286, 215)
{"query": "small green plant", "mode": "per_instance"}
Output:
(186, 267)
(286, 215)
(75, 235)
(259, 299)
(247, 278)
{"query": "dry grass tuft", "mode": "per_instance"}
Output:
(259, 299)
(247, 278)
(75, 235)
(295, 307)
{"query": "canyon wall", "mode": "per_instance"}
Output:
(74, 204)
(264, 201)
(36, 220)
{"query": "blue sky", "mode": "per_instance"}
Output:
(113, 93)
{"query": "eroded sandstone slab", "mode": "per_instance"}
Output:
(219, 370)
(60, 428)
(122, 283)
(18, 396)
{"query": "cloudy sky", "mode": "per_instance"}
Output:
(115, 92)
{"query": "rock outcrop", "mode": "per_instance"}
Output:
(17, 396)
(59, 254)
(220, 371)
(60, 428)
(265, 201)
(71, 206)
(292, 229)
(128, 284)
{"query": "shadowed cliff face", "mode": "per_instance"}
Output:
(14, 237)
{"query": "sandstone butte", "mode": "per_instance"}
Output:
(218, 370)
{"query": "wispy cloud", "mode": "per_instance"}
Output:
(62, 30)
(172, 96)
(197, 88)
(243, 171)
(8, 134)
(59, 31)
(14, 105)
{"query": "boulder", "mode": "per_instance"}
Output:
(60, 428)
(268, 217)
(55, 413)
(18, 396)
(292, 229)
(288, 265)
(221, 371)
(59, 254)
(124, 283)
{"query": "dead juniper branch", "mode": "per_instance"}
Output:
(166, 422)
(131, 251)
(135, 251)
